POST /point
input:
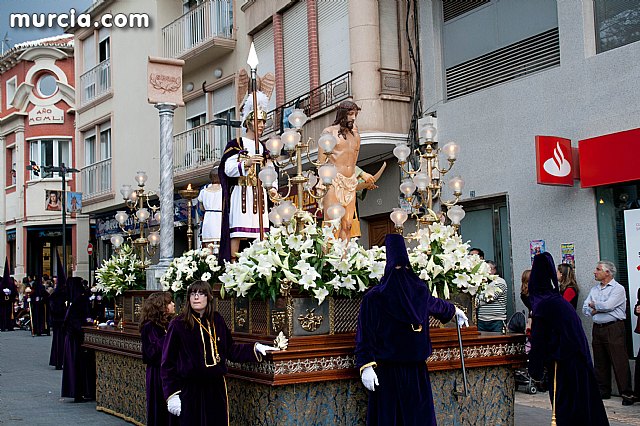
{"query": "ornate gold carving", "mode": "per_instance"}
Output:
(290, 311)
(278, 320)
(285, 287)
(310, 321)
(241, 316)
(332, 315)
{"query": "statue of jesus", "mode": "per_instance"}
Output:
(344, 157)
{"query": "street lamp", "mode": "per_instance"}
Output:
(62, 170)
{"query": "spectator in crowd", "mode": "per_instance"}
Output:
(568, 285)
(392, 342)
(477, 251)
(636, 311)
(157, 311)
(524, 288)
(558, 343)
(194, 360)
(492, 314)
(606, 305)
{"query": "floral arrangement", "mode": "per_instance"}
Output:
(193, 265)
(443, 261)
(123, 271)
(313, 260)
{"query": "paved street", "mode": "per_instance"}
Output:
(30, 389)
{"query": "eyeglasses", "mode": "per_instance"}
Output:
(198, 293)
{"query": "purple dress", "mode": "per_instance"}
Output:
(187, 367)
(153, 336)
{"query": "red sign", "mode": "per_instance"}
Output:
(554, 161)
(609, 159)
(89, 249)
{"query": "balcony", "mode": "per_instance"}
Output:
(96, 179)
(395, 82)
(205, 31)
(315, 101)
(95, 83)
(197, 149)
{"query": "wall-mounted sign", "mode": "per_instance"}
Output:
(568, 253)
(53, 200)
(536, 247)
(609, 159)
(74, 202)
(554, 161)
(47, 114)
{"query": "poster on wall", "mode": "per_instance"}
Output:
(568, 254)
(74, 202)
(632, 237)
(536, 247)
(52, 200)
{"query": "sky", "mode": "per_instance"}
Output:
(18, 35)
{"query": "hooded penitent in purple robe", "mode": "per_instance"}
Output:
(188, 369)
(76, 382)
(152, 336)
(393, 337)
(557, 338)
(39, 301)
(58, 309)
(8, 295)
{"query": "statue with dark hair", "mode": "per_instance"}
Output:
(345, 156)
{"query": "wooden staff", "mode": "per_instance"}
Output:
(257, 145)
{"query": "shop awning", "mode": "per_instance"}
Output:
(610, 159)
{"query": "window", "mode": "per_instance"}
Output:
(10, 90)
(498, 41)
(617, 23)
(96, 173)
(47, 85)
(11, 167)
(96, 52)
(50, 152)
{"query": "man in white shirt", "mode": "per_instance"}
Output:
(606, 305)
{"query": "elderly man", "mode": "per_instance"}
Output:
(344, 156)
(606, 305)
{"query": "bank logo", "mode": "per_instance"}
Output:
(557, 165)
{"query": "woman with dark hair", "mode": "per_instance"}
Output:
(196, 349)
(157, 311)
(524, 288)
(558, 343)
(568, 286)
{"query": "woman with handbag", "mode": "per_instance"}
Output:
(558, 343)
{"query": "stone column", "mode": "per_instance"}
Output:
(364, 40)
(166, 112)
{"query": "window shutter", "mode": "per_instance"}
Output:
(333, 39)
(389, 33)
(223, 98)
(264, 48)
(296, 51)
(196, 107)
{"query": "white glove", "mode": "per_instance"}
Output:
(174, 405)
(263, 349)
(369, 379)
(37, 298)
(28, 299)
(461, 318)
(6, 291)
(92, 297)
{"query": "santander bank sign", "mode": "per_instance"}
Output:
(554, 161)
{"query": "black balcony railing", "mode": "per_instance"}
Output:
(312, 102)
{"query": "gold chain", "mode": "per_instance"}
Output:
(212, 340)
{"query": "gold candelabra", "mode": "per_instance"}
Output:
(189, 194)
(423, 183)
(137, 201)
(304, 181)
